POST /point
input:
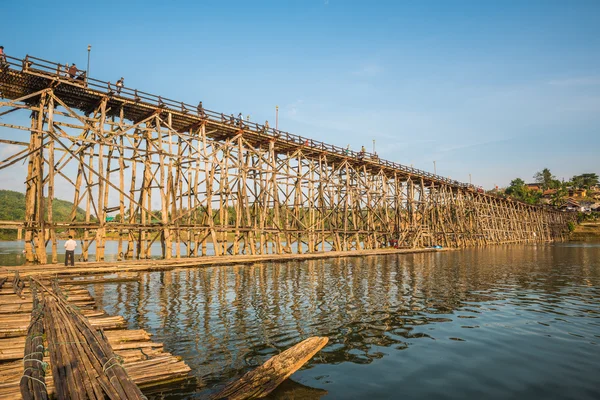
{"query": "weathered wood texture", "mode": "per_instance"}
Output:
(264, 379)
(145, 361)
(33, 382)
(84, 365)
(196, 184)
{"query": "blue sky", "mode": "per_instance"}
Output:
(496, 89)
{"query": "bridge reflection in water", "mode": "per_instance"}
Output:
(146, 169)
(487, 320)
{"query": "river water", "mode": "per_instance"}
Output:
(519, 322)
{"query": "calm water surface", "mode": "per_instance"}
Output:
(518, 322)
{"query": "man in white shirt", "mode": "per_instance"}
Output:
(70, 246)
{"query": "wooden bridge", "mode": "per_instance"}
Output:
(150, 170)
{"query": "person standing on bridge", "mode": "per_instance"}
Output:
(119, 85)
(73, 71)
(3, 62)
(362, 152)
(70, 246)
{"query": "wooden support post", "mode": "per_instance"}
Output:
(51, 181)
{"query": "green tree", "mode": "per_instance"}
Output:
(559, 197)
(517, 187)
(584, 181)
(12, 208)
(518, 190)
(546, 179)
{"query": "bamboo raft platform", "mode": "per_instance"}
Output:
(146, 362)
(132, 266)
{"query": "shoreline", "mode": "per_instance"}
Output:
(586, 231)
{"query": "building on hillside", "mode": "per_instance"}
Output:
(547, 196)
(570, 205)
(577, 193)
(534, 186)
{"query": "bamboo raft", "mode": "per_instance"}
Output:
(145, 362)
(68, 338)
(132, 266)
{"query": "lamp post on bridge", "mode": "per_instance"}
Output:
(87, 74)
(276, 118)
(434, 170)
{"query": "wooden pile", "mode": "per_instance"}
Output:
(263, 380)
(18, 284)
(84, 365)
(33, 382)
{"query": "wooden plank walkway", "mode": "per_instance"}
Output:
(89, 268)
(145, 361)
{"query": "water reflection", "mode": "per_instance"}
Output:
(502, 321)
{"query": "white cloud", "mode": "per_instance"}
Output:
(292, 109)
(580, 81)
(9, 149)
(368, 70)
(467, 145)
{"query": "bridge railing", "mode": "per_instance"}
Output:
(60, 72)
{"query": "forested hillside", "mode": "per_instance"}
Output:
(12, 208)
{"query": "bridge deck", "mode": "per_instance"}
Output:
(25, 77)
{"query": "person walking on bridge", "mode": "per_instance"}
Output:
(3, 62)
(70, 246)
(73, 71)
(119, 85)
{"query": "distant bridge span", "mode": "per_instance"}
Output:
(147, 169)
